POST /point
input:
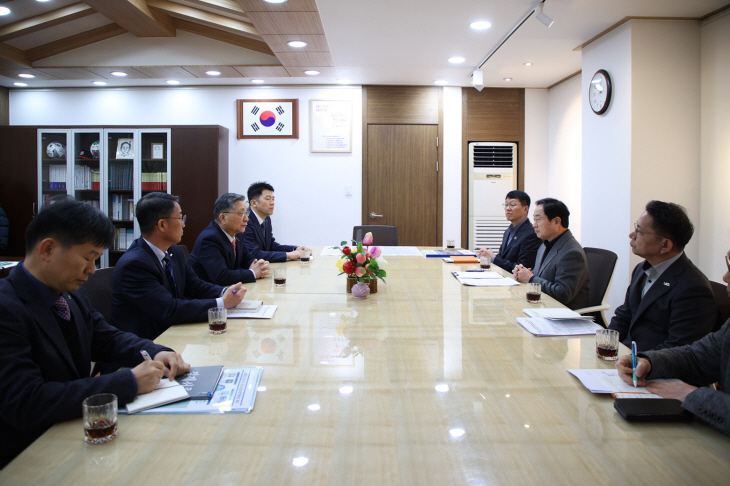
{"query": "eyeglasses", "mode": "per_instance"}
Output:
(184, 217)
(242, 214)
(510, 205)
(638, 231)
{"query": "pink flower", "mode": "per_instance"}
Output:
(359, 271)
(375, 251)
(360, 258)
(368, 240)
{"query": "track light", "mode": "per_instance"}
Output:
(542, 17)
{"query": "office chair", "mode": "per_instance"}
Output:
(722, 301)
(382, 235)
(601, 267)
(99, 289)
(185, 252)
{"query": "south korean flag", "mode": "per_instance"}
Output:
(267, 118)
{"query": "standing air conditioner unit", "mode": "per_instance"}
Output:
(492, 174)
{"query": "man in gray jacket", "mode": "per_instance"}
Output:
(561, 266)
(698, 364)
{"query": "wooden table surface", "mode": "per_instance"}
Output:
(350, 389)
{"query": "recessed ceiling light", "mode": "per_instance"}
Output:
(100, 83)
(173, 81)
(528, 64)
(213, 73)
(42, 1)
(20, 84)
(456, 60)
(297, 43)
(508, 79)
(343, 81)
(311, 72)
(4, 10)
(480, 25)
(274, 1)
(440, 82)
(26, 75)
(257, 81)
(121, 74)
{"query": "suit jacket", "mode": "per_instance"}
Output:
(677, 309)
(213, 259)
(563, 272)
(141, 301)
(522, 249)
(40, 384)
(700, 364)
(260, 241)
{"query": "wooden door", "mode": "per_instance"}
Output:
(402, 181)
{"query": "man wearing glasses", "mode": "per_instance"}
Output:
(153, 288)
(519, 243)
(219, 255)
(669, 301)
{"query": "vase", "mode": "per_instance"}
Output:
(353, 280)
(360, 290)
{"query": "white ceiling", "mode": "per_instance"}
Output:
(371, 41)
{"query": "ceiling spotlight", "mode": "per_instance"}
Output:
(25, 75)
(100, 83)
(477, 79)
(274, 1)
(440, 82)
(456, 60)
(311, 73)
(508, 79)
(528, 64)
(4, 10)
(257, 81)
(173, 81)
(119, 74)
(213, 73)
(542, 17)
(343, 81)
(297, 44)
(480, 25)
(20, 84)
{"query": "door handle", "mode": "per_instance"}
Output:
(373, 215)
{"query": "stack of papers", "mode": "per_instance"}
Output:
(250, 305)
(558, 327)
(608, 381)
(446, 253)
(555, 313)
(483, 279)
(264, 312)
(165, 392)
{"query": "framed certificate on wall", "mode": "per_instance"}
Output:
(268, 118)
(331, 126)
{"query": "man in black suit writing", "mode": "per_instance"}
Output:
(519, 243)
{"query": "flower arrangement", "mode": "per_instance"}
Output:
(361, 261)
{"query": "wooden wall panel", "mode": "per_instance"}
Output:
(19, 182)
(393, 105)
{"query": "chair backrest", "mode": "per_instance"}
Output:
(722, 300)
(185, 251)
(382, 235)
(601, 266)
(99, 289)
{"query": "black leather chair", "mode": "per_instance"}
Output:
(99, 289)
(722, 300)
(185, 252)
(382, 235)
(601, 266)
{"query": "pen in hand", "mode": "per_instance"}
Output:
(633, 362)
(145, 355)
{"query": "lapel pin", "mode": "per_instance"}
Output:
(666, 283)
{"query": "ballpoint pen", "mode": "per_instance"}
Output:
(633, 362)
(145, 355)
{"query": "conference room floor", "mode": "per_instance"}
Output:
(425, 382)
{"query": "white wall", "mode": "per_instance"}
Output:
(714, 231)
(537, 138)
(311, 205)
(452, 165)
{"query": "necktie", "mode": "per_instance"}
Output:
(61, 308)
(170, 275)
(233, 242)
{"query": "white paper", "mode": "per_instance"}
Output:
(564, 327)
(487, 282)
(158, 397)
(480, 274)
(608, 381)
(265, 312)
(8, 264)
(554, 313)
(447, 253)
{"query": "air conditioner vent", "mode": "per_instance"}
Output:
(493, 156)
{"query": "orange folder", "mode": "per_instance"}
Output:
(465, 259)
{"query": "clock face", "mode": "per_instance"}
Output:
(599, 93)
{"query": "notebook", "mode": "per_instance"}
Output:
(201, 381)
(169, 393)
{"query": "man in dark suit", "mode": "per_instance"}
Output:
(49, 334)
(561, 267)
(669, 301)
(219, 255)
(699, 364)
(152, 286)
(258, 237)
(519, 243)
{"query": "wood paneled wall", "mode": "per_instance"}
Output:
(490, 115)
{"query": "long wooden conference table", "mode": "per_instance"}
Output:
(425, 382)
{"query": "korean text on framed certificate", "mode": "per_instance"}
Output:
(331, 126)
(268, 118)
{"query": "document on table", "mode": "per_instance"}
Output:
(481, 281)
(476, 274)
(563, 327)
(446, 253)
(236, 392)
(264, 312)
(386, 251)
(165, 392)
(608, 381)
(555, 313)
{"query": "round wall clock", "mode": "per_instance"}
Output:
(599, 93)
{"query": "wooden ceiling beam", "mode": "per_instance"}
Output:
(222, 36)
(203, 17)
(135, 16)
(74, 42)
(14, 55)
(45, 20)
